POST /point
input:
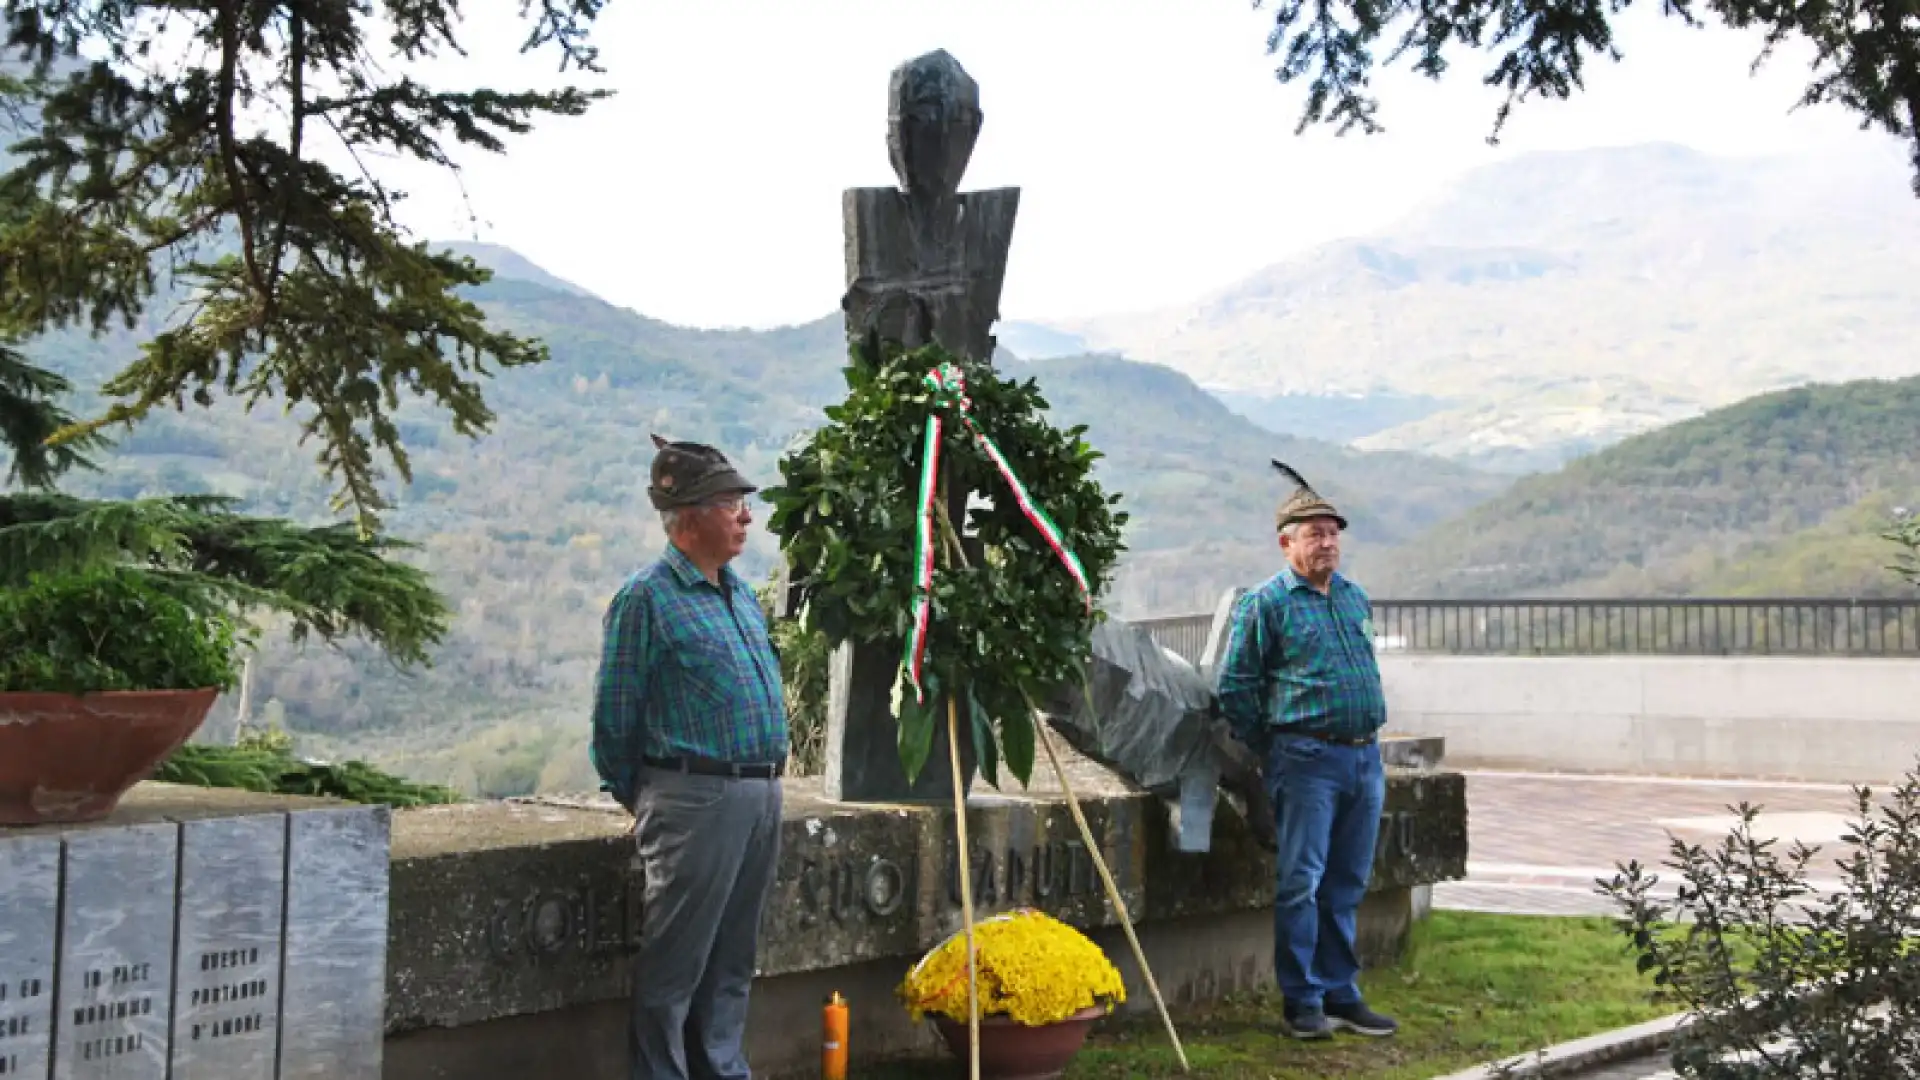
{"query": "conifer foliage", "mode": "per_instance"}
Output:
(1866, 53)
(161, 172)
(171, 145)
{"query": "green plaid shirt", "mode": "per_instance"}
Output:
(684, 669)
(1301, 661)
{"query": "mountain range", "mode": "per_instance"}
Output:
(1555, 303)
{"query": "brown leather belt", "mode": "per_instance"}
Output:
(702, 766)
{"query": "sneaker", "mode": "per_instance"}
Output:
(1306, 1023)
(1357, 1018)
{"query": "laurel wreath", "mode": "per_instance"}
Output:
(1008, 624)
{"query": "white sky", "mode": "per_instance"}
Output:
(1155, 151)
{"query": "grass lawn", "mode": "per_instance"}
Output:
(1473, 987)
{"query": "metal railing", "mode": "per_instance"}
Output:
(1762, 626)
(1184, 634)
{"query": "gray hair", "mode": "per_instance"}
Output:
(670, 520)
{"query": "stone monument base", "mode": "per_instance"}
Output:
(512, 923)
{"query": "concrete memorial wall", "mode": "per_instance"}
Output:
(219, 934)
(512, 923)
(196, 934)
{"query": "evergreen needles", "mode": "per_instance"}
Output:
(270, 767)
(329, 580)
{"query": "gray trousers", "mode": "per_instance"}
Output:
(709, 847)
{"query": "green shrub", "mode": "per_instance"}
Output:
(112, 628)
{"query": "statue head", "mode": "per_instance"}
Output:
(933, 118)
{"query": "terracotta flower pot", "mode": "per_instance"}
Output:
(1014, 1051)
(70, 757)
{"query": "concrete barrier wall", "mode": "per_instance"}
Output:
(1835, 720)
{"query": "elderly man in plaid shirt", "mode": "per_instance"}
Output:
(690, 734)
(1299, 684)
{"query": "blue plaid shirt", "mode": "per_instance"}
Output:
(1298, 660)
(684, 670)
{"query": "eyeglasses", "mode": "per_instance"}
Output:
(732, 504)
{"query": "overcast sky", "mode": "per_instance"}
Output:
(1154, 149)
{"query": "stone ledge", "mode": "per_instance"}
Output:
(509, 909)
(150, 802)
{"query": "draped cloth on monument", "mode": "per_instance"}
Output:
(1149, 715)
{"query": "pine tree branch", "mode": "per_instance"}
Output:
(28, 419)
(1866, 53)
(133, 163)
(331, 581)
(228, 19)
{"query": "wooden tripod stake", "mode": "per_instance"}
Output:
(1086, 838)
(966, 889)
(1113, 890)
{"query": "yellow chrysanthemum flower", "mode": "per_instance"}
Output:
(1032, 968)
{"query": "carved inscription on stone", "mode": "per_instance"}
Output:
(1044, 875)
(848, 889)
(226, 1001)
(334, 1012)
(29, 913)
(556, 921)
(116, 953)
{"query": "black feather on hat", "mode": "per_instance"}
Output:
(1304, 504)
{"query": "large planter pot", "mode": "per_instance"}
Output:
(1014, 1051)
(70, 757)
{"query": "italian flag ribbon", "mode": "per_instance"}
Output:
(949, 386)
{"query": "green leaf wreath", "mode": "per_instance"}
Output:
(1009, 623)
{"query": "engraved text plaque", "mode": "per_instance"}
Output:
(226, 999)
(29, 912)
(116, 953)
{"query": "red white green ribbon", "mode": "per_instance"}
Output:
(949, 386)
(923, 557)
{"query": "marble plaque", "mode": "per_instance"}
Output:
(335, 977)
(116, 953)
(29, 915)
(226, 997)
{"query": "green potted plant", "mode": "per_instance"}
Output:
(102, 675)
(122, 622)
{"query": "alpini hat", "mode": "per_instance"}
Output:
(1305, 503)
(687, 473)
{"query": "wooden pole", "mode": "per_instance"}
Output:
(966, 888)
(1106, 878)
(960, 833)
(1086, 837)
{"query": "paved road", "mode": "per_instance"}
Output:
(1538, 842)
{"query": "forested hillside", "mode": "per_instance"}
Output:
(1781, 494)
(531, 529)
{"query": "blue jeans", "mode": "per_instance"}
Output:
(1326, 808)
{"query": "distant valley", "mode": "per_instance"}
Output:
(1554, 304)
